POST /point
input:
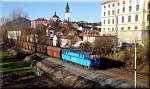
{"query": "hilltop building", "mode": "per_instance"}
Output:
(127, 19)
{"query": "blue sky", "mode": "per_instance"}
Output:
(81, 10)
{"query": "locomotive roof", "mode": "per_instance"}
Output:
(79, 51)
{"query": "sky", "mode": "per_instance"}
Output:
(81, 10)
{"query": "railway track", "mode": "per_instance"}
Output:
(126, 75)
(113, 72)
(124, 72)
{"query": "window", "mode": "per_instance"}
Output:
(130, 8)
(123, 2)
(108, 21)
(129, 18)
(113, 12)
(104, 13)
(118, 11)
(136, 18)
(122, 19)
(104, 21)
(135, 27)
(104, 6)
(122, 28)
(128, 28)
(113, 5)
(108, 12)
(104, 29)
(123, 9)
(148, 17)
(113, 21)
(51, 32)
(112, 29)
(109, 5)
(118, 3)
(137, 7)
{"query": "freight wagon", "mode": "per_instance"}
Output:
(31, 46)
(25, 45)
(41, 48)
(86, 59)
(53, 51)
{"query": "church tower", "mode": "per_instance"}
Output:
(67, 12)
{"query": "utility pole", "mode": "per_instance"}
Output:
(116, 40)
(34, 37)
(143, 18)
(135, 63)
(116, 35)
(18, 37)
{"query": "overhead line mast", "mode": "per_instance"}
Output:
(143, 19)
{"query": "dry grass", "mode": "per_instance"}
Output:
(128, 56)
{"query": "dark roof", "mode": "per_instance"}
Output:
(67, 8)
(55, 15)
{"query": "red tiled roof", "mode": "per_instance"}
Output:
(108, 1)
(90, 33)
(41, 19)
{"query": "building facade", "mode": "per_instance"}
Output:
(38, 22)
(127, 19)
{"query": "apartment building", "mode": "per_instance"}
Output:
(127, 19)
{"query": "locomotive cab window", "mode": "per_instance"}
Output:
(94, 57)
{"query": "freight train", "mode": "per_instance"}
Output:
(86, 59)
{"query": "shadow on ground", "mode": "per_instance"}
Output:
(107, 63)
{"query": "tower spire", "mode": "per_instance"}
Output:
(67, 12)
(55, 13)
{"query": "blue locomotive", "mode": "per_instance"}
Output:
(86, 59)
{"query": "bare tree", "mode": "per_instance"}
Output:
(103, 45)
(40, 31)
(86, 46)
(16, 13)
(17, 23)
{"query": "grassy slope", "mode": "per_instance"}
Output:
(127, 56)
(10, 65)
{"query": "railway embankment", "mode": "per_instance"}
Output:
(103, 78)
(68, 75)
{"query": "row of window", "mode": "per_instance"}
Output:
(113, 5)
(123, 10)
(122, 28)
(122, 19)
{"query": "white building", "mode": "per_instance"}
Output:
(14, 35)
(132, 15)
(55, 40)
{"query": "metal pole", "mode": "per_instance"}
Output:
(135, 66)
(116, 34)
(116, 40)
